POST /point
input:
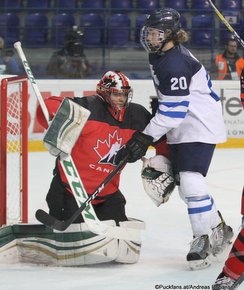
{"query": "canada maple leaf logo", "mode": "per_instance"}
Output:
(108, 148)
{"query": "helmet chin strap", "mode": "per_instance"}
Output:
(162, 46)
(166, 40)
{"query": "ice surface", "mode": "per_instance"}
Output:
(162, 263)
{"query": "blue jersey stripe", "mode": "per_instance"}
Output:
(172, 114)
(196, 199)
(199, 209)
(212, 93)
(174, 104)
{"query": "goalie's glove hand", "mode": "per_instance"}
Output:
(135, 148)
(157, 179)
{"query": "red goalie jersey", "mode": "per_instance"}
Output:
(94, 153)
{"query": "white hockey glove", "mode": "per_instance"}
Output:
(157, 178)
(65, 127)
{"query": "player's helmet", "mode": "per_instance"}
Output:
(115, 82)
(166, 21)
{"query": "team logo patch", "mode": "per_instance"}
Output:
(107, 149)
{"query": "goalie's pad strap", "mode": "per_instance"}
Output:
(65, 127)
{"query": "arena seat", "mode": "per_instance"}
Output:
(38, 4)
(120, 5)
(119, 26)
(178, 5)
(230, 5)
(224, 35)
(64, 5)
(146, 6)
(61, 24)
(93, 27)
(9, 28)
(202, 5)
(10, 4)
(93, 5)
(35, 29)
(183, 22)
(203, 35)
(233, 17)
(140, 19)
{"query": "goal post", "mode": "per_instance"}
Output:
(13, 150)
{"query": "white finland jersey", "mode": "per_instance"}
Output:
(189, 110)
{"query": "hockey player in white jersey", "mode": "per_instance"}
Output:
(190, 114)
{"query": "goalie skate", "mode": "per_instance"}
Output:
(198, 256)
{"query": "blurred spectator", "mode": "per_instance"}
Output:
(70, 61)
(8, 63)
(229, 64)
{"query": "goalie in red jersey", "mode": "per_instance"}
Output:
(114, 119)
(233, 271)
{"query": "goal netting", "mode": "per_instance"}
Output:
(13, 150)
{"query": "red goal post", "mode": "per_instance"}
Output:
(13, 150)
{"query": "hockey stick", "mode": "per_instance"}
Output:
(227, 24)
(237, 282)
(69, 168)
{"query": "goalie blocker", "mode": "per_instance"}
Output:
(65, 127)
(157, 179)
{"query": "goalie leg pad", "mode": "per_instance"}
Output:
(129, 251)
(65, 127)
(76, 246)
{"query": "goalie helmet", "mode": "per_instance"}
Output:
(159, 28)
(117, 83)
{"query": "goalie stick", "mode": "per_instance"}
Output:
(67, 163)
(227, 24)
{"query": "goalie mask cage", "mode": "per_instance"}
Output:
(13, 150)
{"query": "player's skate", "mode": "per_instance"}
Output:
(223, 282)
(198, 256)
(221, 238)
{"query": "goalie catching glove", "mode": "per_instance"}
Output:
(157, 178)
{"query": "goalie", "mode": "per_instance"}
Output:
(112, 122)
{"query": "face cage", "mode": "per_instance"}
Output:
(145, 42)
(127, 92)
(116, 111)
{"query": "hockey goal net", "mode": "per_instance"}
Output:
(13, 150)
